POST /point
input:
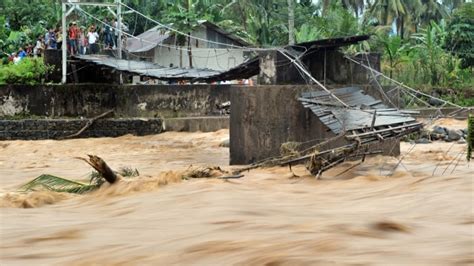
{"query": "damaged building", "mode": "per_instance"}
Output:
(307, 93)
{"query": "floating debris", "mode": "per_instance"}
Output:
(58, 184)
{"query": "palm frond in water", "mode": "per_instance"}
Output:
(58, 184)
(128, 172)
(96, 178)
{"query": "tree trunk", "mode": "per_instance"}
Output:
(243, 15)
(402, 27)
(190, 54)
(325, 7)
(100, 166)
(291, 22)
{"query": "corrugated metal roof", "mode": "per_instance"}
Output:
(149, 69)
(153, 37)
(148, 40)
(330, 43)
(243, 71)
(229, 35)
(358, 116)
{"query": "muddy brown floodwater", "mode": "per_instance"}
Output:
(269, 217)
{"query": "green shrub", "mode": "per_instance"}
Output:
(28, 71)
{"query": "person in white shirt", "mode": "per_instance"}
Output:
(39, 47)
(16, 58)
(92, 38)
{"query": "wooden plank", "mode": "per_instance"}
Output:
(386, 129)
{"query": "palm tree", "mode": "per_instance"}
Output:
(432, 10)
(453, 4)
(356, 5)
(409, 14)
(410, 20)
(263, 20)
(386, 11)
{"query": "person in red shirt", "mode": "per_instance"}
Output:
(72, 34)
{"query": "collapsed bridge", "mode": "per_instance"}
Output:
(364, 127)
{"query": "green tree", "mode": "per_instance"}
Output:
(393, 50)
(429, 54)
(460, 34)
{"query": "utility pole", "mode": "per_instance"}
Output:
(119, 37)
(291, 22)
(190, 55)
(119, 26)
(64, 44)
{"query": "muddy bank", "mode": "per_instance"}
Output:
(268, 217)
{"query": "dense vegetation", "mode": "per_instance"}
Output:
(425, 43)
(28, 71)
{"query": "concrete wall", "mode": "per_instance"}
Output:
(89, 100)
(56, 128)
(52, 57)
(327, 66)
(195, 124)
(264, 117)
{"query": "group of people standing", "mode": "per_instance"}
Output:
(82, 41)
(79, 40)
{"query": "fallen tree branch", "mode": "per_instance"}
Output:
(88, 124)
(100, 166)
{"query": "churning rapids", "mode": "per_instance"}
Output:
(267, 217)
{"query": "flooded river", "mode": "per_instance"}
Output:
(269, 217)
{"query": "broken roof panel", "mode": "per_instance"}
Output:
(157, 35)
(360, 113)
(330, 43)
(147, 40)
(243, 71)
(144, 68)
(251, 67)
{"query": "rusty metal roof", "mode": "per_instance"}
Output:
(358, 116)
